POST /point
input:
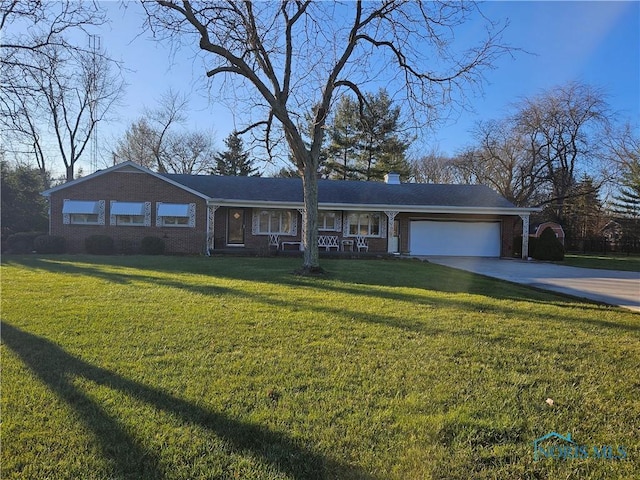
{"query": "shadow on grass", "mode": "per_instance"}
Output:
(347, 273)
(362, 278)
(57, 369)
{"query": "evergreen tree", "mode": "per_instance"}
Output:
(234, 160)
(343, 142)
(626, 205)
(548, 247)
(365, 142)
(627, 201)
(285, 172)
(582, 213)
(381, 146)
(23, 208)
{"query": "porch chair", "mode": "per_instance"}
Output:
(328, 242)
(274, 240)
(361, 244)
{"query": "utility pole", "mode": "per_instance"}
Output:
(95, 46)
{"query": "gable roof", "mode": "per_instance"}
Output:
(122, 167)
(332, 194)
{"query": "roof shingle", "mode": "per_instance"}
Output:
(289, 190)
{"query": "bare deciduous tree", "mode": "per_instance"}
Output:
(51, 87)
(154, 142)
(75, 94)
(501, 160)
(29, 28)
(436, 167)
(623, 149)
(190, 153)
(562, 128)
(292, 58)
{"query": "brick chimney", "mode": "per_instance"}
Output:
(392, 178)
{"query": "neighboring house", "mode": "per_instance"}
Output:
(197, 214)
(622, 235)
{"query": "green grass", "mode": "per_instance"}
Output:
(607, 262)
(216, 368)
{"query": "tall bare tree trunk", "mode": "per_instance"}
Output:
(311, 262)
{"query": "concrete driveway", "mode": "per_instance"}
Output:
(607, 286)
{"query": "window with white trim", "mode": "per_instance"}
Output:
(130, 214)
(282, 222)
(363, 224)
(328, 221)
(83, 212)
(175, 214)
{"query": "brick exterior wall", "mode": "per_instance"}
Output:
(260, 243)
(130, 186)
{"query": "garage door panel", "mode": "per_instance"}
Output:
(473, 239)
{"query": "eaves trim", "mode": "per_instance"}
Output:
(377, 207)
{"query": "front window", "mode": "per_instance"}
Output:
(83, 212)
(175, 221)
(328, 221)
(130, 214)
(129, 219)
(365, 224)
(175, 214)
(275, 221)
(83, 218)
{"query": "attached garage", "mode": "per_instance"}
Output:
(454, 238)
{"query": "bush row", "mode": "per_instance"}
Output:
(22, 242)
(104, 245)
(27, 242)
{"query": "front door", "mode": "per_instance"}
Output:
(235, 227)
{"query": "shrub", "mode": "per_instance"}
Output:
(22, 242)
(99, 244)
(152, 246)
(49, 244)
(548, 247)
(128, 247)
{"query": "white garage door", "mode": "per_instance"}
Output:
(468, 239)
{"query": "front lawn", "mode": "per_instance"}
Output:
(607, 262)
(215, 368)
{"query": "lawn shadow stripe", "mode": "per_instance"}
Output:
(450, 280)
(56, 369)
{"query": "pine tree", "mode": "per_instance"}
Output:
(23, 208)
(365, 142)
(627, 201)
(381, 146)
(582, 213)
(626, 204)
(343, 141)
(234, 161)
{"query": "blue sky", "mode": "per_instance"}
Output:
(597, 43)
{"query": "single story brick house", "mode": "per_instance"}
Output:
(197, 214)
